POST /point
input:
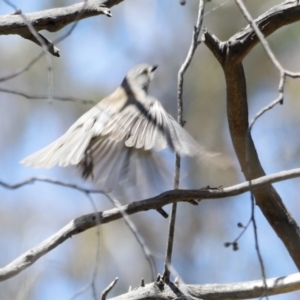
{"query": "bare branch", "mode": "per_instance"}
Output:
(216, 8)
(40, 40)
(33, 35)
(230, 55)
(24, 69)
(276, 17)
(240, 290)
(108, 289)
(43, 97)
(265, 293)
(85, 222)
(181, 72)
(283, 72)
(53, 20)
(48, 180)
(280, 98)
(48, 44)
(177, 195)
(259, 34)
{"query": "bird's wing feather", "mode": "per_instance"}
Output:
(149, 126)
(114, 163)
(70, 148)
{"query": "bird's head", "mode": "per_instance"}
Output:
(139, 77)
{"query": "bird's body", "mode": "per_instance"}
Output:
(114, 140)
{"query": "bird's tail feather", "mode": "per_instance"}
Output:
(114, 164)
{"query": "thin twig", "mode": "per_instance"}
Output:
(49, 180)
(43, 97)
(184, 66)
(24, 69)
(108, 289)
(97, 256)
(216, 8)
(234, 244)
(176, 195)
(253, 221)
(257, 247)
(278, 100)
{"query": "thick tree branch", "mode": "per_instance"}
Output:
(56, 18)
(242, 42)
(53, 20)
(240, 290)
(283, 73)
(230, 54)
(278, 16)
(85, 222)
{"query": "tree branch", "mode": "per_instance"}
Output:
(276, 17)
(44, 97)
(240, 290)
(53, 20)
(108, 289)
(88, 221)
(230, 54)
(183, 68)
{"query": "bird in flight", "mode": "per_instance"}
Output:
(118, 139)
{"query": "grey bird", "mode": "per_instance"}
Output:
(115, 141)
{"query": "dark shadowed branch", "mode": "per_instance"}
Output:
(230, 55)
(282, 72)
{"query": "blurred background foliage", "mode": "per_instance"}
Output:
(94, 60)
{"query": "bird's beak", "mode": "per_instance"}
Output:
(153, 68)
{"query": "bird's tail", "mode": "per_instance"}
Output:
(110, 163)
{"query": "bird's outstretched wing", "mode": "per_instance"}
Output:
(137, 124)
(70, 148)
